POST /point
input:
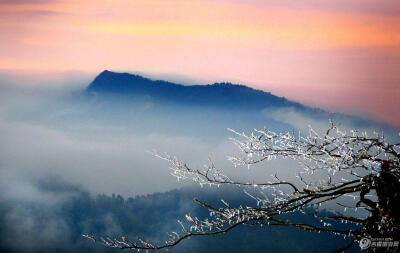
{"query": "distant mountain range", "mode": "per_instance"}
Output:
(214, 95)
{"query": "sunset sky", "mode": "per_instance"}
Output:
(342, 55)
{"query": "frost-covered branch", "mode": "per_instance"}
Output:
(361, 170)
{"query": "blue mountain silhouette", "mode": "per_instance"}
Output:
(217, 94)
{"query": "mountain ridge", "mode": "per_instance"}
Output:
(221, 94)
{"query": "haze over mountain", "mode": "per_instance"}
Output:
(238, 102)
(98, 140)
(57, 227)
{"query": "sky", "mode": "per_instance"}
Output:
(339, 55)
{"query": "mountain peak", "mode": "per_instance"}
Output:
(105, 72)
